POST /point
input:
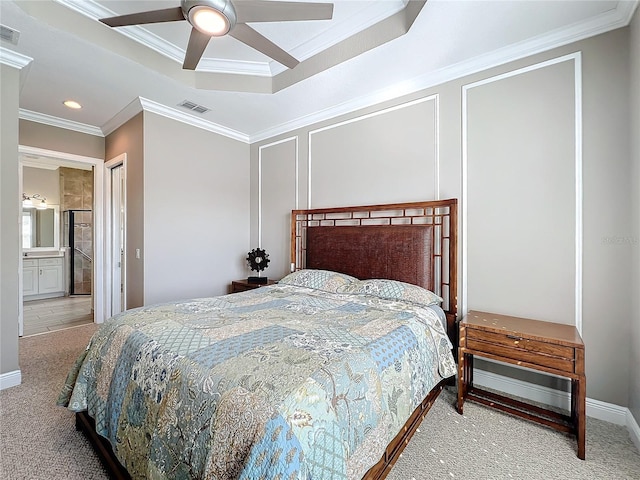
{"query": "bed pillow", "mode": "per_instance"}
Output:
(392, 290)
(319, 279)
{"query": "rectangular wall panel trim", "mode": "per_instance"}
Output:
(260, 189)
(576, 59)
(435, 98)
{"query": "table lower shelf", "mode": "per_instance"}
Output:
(550, 418)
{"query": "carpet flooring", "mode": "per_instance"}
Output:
(38, 440)
(488, 444)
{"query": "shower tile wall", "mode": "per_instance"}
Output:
(76, 193)
(83, 252)
(76, 189)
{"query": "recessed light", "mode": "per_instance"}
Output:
(72, 104)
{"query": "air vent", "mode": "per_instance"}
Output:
(9, 34)
(194, 107)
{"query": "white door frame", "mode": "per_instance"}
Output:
(108, 266)
(52, 157)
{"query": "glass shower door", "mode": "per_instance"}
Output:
(78, 225)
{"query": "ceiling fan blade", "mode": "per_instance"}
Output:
(248, 35)
(153, 16)
(197, 43)
(274, 11)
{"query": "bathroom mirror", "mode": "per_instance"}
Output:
(41, 228)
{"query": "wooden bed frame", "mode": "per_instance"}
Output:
(413, 242)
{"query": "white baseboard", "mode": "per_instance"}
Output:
(10, 379)
(634, 429)
(555, 398)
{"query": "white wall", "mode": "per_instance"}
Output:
(43, 181)
(196, 211)
(404, 151)
(9, 214)
(386, 156)
(300, 170)
(278, 194)
(606, 289)
(520, 197)
(57, 139)
(128, 139)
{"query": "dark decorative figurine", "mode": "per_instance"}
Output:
(258, 260)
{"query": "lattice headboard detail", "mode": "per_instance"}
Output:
(364, 242)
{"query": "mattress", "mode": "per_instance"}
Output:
(277, 382)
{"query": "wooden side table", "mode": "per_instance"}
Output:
(244, 285)
(543, 346)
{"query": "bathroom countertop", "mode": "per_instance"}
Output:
(43, 255)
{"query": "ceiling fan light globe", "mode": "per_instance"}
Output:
(209, 21)
(211, 17)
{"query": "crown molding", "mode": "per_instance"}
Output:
(136, 106)
(615, 18)
(95, 11)
(627, 10)
(123, 116)
(172, 113)
(610, 20)
(234, 67)
(144, 104)
(14, 59)
(59, 122)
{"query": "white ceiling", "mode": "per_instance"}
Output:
(114, 73)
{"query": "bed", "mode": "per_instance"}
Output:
(325, 375)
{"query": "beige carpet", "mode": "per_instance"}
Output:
(488, 444)
(38, 440)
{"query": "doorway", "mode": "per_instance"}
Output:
(48, 159)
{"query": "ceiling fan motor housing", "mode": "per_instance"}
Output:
(224, 7)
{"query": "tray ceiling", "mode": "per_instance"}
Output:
(371, 51)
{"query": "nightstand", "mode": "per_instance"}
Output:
(543, 346)
(244, 285)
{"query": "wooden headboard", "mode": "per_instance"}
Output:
(411, 242)
(374, 251)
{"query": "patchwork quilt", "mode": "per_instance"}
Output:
(280, 382)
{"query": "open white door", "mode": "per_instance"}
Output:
(116, 236)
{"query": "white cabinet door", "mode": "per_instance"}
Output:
(50, 280)
(42, 276)
(29, 280)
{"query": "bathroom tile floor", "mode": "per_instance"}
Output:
(42, 316)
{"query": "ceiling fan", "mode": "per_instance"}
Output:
(216, 18)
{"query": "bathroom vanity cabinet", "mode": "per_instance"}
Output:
(42, 277)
